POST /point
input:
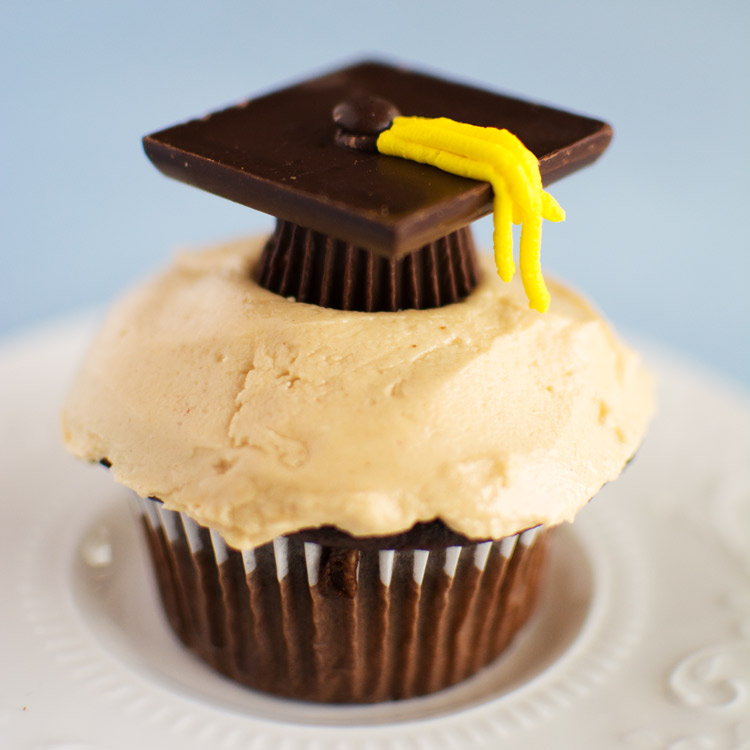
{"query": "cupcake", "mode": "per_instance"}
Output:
(349, 443)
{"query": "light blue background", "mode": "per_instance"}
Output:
(657, 230)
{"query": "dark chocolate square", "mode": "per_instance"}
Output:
(277, 154)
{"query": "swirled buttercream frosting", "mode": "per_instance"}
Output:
(259, 416)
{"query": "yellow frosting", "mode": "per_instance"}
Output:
(258, 416)
(498, 157)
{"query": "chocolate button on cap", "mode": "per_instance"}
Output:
(361, 119)
(365, 115)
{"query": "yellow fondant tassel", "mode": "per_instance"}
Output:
(498, 157)
(502, 237)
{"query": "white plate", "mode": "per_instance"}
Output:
(643, 640)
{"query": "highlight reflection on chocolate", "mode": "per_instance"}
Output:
(319, 623)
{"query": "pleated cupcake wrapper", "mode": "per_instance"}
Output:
(312, 622)
(314, 268)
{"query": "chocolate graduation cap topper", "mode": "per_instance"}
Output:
(357, 227)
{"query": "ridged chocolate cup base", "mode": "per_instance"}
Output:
(320, 623)
(316, 268)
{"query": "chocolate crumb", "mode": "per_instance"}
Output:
(338, 572)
